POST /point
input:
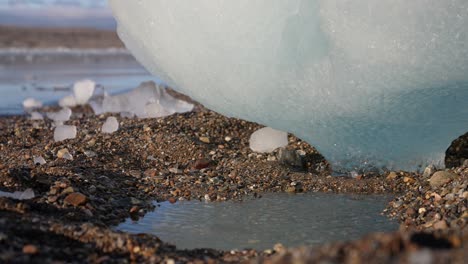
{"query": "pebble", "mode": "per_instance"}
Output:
(440, 224)
(39, 160)
(30, 250)
(64, 154)
(441, 177)
(392, 176)
(75, 199)
(291, 158)
(428, 171)
(201, 164)
(205, 140)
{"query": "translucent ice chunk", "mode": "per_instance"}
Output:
(64, 132)
(369, 83)
(26, 195)
(68, 101)
(146, 101)
(268, 139)
(31, 103)
(36, 116)
(61, 116)
(83, 91)
(110, 126)
(39, 160)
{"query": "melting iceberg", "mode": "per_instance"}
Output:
(369, 83)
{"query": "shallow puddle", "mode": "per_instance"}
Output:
(293, 220)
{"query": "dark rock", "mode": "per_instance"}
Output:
(291, 158)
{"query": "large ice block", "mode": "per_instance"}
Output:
(369, 83)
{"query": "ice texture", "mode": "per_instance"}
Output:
(148, 100)
(83, 91)
(368, 83)
(36, 116)
(110, 126)
(64, 132)
(61, 116)
(268, 139)
(18, 195)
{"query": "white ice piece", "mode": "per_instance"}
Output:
(110, 126)
(61, 116)
(64, 132)
(268, 139)
(39, 160)
(368, 83)
(18, 195)
(36, 116)
(68, 101)
(148, 100)
(31, 103)
(83, 91)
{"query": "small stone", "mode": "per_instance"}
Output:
(150, 173)
(441, 177)
(207, 197)
(134, 201)
(291, 158)
(30, 250)
(228, 139)
(68, 190)
(465, 195)
(421, 210)
(201, 164)
(392, 176)
(291, 189)
(175, 170)
(428, 171)
(440, 225)
(408, 180)
(205, 140)
(75, 199)
(134, 210)
(64, 154)
(172, 200)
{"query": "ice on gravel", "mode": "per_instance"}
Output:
(83, 91)
(268, 139)
(68, 101)
(110, 126)
(26, 195)
(368, 83)
(148, 100)
(31, 103)
(39, 160)
(36, 116)
(61, 116)
(64, 132)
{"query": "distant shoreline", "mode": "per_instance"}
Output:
(72, 38)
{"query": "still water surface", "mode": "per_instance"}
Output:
(293, 220)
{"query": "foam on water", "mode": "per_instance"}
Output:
(369, 83)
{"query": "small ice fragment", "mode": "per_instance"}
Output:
(64, 132)
(36, 116)
(110, 126)
(68, 101)
(83, 91)
(61, 116)
(155, 110)
(268, 139)
(26, 195)
(39, 160)
(64, 154)
(32, 103)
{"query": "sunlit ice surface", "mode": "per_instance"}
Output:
(369, 83)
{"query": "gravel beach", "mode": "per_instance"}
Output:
(199, 155)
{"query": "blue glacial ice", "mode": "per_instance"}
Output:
(368, 83)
